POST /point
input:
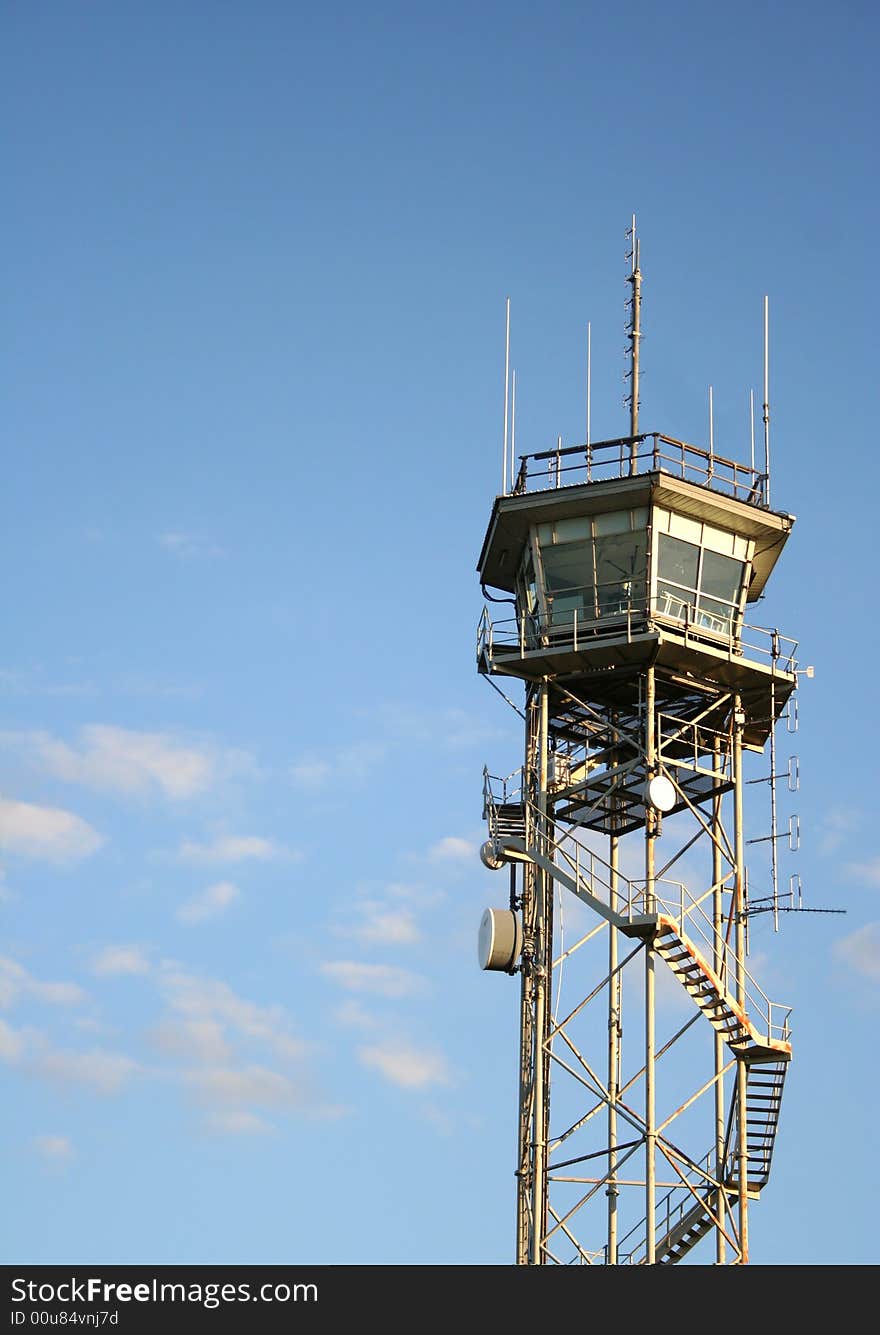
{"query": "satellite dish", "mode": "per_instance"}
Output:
(490, 857)
(661, 793)
(500, 940)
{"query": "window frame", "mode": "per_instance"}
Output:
(696, 606)
(638, 520)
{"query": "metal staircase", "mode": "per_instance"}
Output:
(509, 821)
(688, 1212)
(704, 987)
(690, 1220)
(764, 1083)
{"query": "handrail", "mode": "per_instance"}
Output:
(694, 926)
(656, 452)
(509, 793)
(695, 736)
(537, 631)
(686, 909)
(671, 1214)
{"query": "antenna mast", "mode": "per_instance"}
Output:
(589, 352)
(766, 407)
(513, 432)
(506, 396)
(634, 334)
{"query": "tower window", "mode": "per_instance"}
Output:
(698, 586)
(594, 566)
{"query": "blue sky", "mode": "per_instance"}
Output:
(257, 258)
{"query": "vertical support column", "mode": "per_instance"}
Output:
(718, 966)
(523, 1163)
(650, 981)
(739, 904)
(541, 983)
(614, 999)
(530, 896)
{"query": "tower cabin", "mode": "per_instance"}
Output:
(634, 552)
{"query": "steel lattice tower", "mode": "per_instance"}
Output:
(631, 564)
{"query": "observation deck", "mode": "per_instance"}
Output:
(611, 568)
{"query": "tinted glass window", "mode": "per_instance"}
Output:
(569, 566)
(621, 557)
(721, 577)
(678, 561)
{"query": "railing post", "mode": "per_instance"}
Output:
(738, 907)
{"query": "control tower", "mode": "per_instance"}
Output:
(628, 568)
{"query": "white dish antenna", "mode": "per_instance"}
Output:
(500, 940)
(661, 793)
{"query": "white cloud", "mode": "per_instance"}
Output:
(48, 834)
(860, 951)
(451, 728)
(231, 1095)
(131, 762)
(383, 979)
(311, 773)
(213, 901)
(461, 730)
(406, 1066)
(242, 1086)
(353, 1015)
(835, 825)
(410, 894)
(442, 1122)
(11, 1043)
(188, 546)
(15, 980)
(33, 682)
(213, 1031)
(57, 994)
(193, 1040)
(87, 1024)
(452, 849)
(238, 1122)
(121, 960)
(120, 760)
(209, 999)
(385, 926)
(104, 1072)
(359, 760)
(54, 1149)
(869, 872)
(350, 764)
(232, 848)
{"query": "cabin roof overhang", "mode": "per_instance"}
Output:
(512, 517)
